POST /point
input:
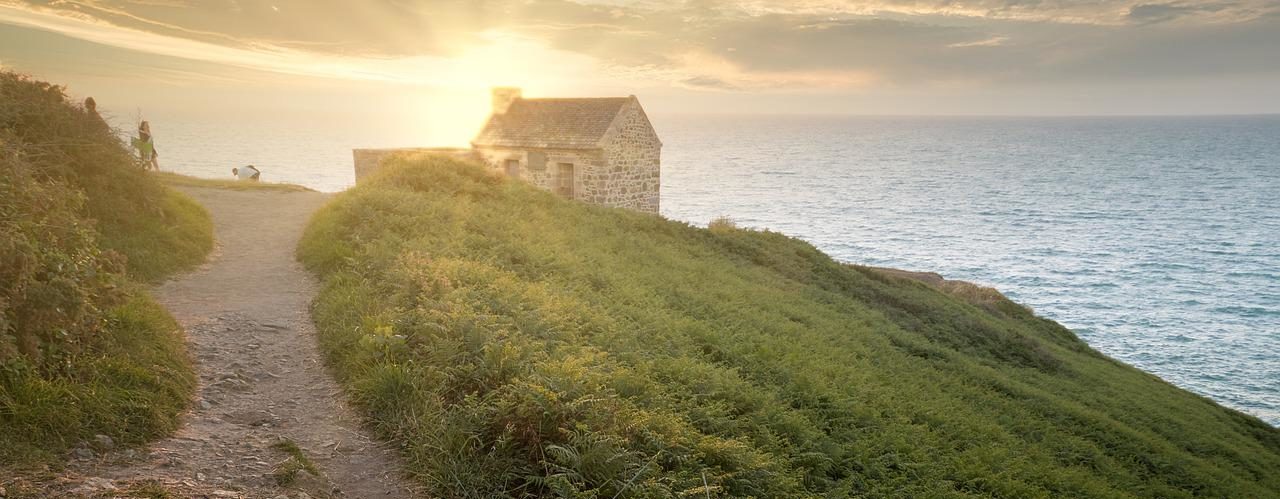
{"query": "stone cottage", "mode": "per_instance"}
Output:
(598, 150)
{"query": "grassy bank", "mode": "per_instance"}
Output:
(517, 344)
(178, 180)
(83, 349)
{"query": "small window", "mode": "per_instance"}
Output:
(513, 167)
(564, 179)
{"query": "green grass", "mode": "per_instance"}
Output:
(83, 349)
(132, 385)
(179, 239)
(36, 486)
(148, 489)
(517, 344)
(286, 471)
(178, 180)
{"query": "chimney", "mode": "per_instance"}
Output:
(503, 97)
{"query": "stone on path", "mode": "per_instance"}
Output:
(104, 442)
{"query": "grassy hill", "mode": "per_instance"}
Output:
(83, 348)
(514, 343)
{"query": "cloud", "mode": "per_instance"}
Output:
(374, 28)
(707, 82)
(709, 45)
(1151, 13)
(492, 55)
(994, 41)
(1095, 12)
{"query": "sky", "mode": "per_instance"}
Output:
(879, 57)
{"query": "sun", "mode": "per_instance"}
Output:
(454, 92)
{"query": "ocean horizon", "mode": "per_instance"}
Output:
(1154, 238)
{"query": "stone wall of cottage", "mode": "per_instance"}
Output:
(540, 167)
(625, 172)
(632, 168)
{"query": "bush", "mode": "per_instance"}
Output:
(515, 344)
(158, 231)
(83, 350)
(721, 224)
(54, 281)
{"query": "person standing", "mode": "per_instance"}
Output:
(91, 109)
(146, 147)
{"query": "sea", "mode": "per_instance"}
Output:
(1156, 239)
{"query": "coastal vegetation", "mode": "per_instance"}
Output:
(86, 356)
(514, 343)
(179, 180)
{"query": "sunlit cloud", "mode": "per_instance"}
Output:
(1100, 12)
(718, 72)
(986, 42)
(497, 58)
(704, 46)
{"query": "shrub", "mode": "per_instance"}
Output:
(721, 224)
(157, 230)
(54, 281)
(83, 350)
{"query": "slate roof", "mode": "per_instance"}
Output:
(552, 123)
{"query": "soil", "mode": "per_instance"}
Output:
(262, 379)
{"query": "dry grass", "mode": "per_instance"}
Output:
(981, 296)
(722, 224)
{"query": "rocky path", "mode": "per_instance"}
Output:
(264, 392)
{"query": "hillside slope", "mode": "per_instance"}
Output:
(514, 343)
(84, 351)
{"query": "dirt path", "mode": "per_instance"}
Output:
(261, 376)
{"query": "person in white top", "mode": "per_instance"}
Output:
(247, 173)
